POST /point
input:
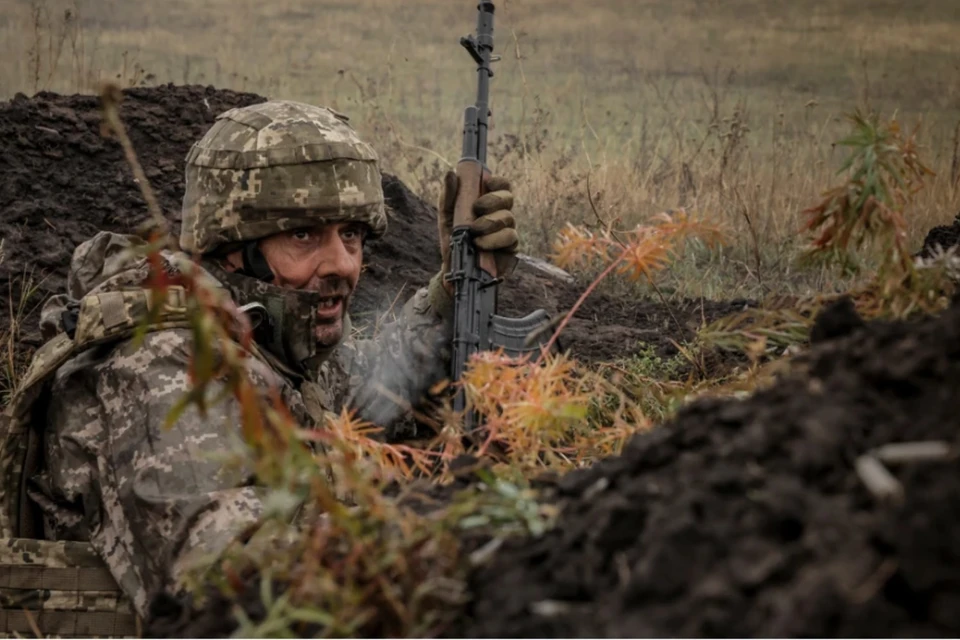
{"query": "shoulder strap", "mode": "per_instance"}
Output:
(14, 430)
(116, 315)
(103, 318)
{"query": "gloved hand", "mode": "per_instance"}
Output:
(494, 228)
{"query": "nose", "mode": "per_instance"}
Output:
(334, 258)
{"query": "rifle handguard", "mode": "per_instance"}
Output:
(471, 175)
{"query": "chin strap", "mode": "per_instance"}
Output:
(254, 264)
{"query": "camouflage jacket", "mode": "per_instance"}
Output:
(148, 498)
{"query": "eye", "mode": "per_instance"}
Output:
(353, 233)
(301, 235)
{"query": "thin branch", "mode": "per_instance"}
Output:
(608, 226)
(580, 301)
(111, 96)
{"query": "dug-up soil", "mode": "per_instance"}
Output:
(63, 181)
(747, 518)
(737, 518)
(741, 518)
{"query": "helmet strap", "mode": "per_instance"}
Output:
(255, 264)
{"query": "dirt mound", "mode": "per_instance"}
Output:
(747, 518)
(740, 518)
(943, 236)
(63, 182)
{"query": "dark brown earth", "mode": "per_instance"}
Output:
(747, 518)
(741, 518)
(63, 182)
(737, 518)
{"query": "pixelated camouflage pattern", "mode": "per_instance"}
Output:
(46, 553)
(381, 379)
(15, 425)
(278, 166)
(292, 314)
(62, 588)
(155, 502)
(104, 316)
(153, 496)
(105, 257)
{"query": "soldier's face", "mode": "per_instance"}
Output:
(325, 259)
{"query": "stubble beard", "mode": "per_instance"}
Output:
(329, 333)
(328, 328)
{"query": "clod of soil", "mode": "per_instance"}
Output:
(748, 518)
(63, 182)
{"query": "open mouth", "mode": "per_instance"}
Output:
(330, 306)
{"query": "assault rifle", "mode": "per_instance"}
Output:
(477, 327)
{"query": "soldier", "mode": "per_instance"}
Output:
(280, 199)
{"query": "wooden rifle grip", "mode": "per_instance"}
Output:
(472, 175)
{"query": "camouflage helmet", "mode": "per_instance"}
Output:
(274, 167)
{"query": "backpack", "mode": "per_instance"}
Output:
(62, 588)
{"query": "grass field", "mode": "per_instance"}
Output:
(728, 108)
(606, 112)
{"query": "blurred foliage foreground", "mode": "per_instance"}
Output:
(362, 537)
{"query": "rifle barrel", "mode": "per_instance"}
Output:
(484, 43)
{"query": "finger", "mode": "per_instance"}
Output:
(503, 240)
(493, 222)
(449, 196)
(496, 183)
(490, 202)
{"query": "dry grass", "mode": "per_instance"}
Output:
(605, 117)
(20, 304)
(726, 108)
(363, 563)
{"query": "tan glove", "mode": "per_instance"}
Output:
(494, 227)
